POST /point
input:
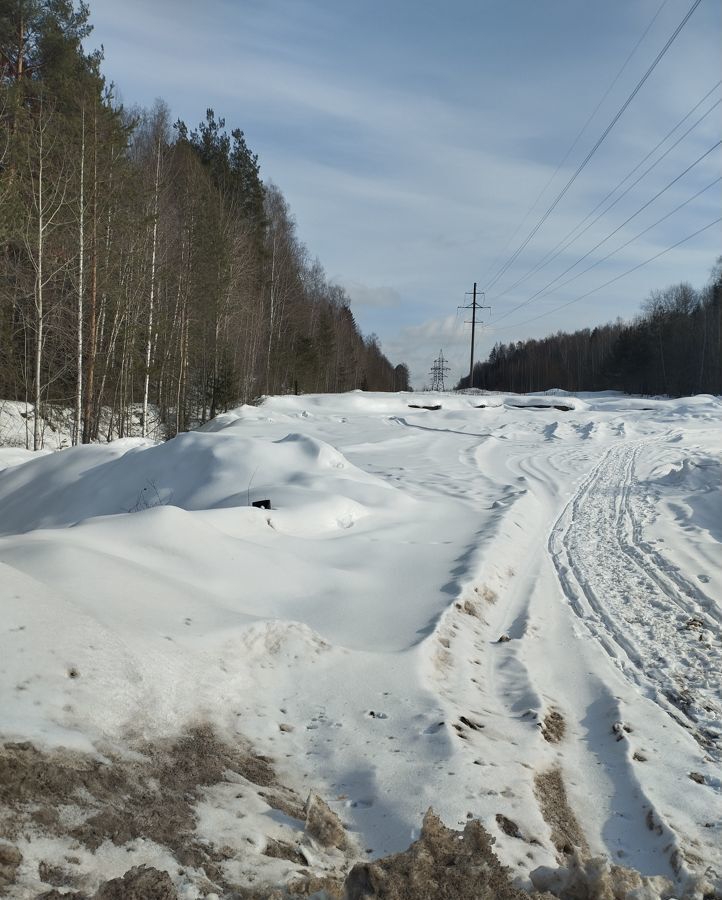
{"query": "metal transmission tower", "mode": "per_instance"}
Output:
(473, 306)
(438, 372)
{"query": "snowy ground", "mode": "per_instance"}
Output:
(442, 607)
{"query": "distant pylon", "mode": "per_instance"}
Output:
(438, 371)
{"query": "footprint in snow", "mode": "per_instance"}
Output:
(433, 729)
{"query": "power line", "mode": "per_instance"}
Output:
(596, 146)
(579, 134)
(565, 242)
(611, 234)
(473, 306)
(616, 278)
(636, 236)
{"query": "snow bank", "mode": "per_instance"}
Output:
(194, 471)
(398, 631)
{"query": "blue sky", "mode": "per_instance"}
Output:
(412, 139)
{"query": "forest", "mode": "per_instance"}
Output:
(672, 348)
(145, 264)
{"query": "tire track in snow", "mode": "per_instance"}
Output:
(647, 617)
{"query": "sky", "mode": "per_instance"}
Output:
(419, 145)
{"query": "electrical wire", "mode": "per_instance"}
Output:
(637, 236)
(617, 116)
(611, 234)
(562, 246)
(616, 278)
(577, 138)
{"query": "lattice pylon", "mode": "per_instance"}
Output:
(439, 370)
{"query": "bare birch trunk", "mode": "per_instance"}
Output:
(78, 424)
(93, 323)
(37, 437)
(149, 339)
(270, 321)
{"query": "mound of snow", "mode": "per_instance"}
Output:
(697, 473)
(16, 456)
(194, 471)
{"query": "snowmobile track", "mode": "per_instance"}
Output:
(655, 624)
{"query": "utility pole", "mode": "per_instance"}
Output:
(473, 306)
(438, 371)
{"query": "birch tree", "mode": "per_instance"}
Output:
(46, 167)
(78, 424)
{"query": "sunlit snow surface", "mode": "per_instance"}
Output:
(364, 610)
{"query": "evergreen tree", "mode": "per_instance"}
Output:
(144, 267)
(672, 347)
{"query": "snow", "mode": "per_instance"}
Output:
(141, 592)
(57, 422)
(16, 427)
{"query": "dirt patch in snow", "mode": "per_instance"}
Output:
(151, 795)
(324, 825)
(442, 863)
(566, 832)
(553, 727)
(139, 883)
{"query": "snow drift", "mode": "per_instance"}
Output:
(439, 606)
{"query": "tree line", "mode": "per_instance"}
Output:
(144, 264)
(672, 347)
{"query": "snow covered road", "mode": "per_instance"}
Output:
(489, 608)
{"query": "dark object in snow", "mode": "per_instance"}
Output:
(503, 639)
(542, 406)
(470, 723)
(620, 730)
(261, 504)
(418, 406)
(508, 826)
(698, 777)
